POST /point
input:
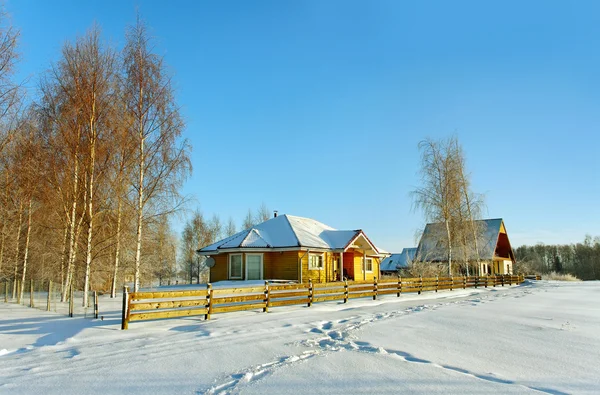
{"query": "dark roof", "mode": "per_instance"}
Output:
(432, 246)
(398, 261)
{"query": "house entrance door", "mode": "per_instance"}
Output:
(254, 267)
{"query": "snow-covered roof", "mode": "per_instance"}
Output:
(432, 246)
(398, 261)
(288, 231)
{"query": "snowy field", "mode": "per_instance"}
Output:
(541, 337)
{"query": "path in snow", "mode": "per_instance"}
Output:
(339, 335)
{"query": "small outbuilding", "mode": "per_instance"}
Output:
(395, 262)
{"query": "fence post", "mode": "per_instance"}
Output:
(49, 297)
(487, 279)
(125, 312)
(509, 280)
(451, 282)
(345, 291)
(420, 284)
(267, 297)
(399, 286)
(374, 288)
(96, 304)
(71, 302)
(31, 303)
(437, 283)
(310, 293)
(209, 297)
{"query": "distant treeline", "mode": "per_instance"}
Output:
(581, 260)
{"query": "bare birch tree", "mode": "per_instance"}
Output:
(162, 159)
(438, 196)
(10, 92)
(445, 196)
(230, 227)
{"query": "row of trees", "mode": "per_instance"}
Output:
(91, 168)
(581, 259)
(445, 196)
(199, 232)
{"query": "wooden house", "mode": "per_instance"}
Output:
(495, 252)
(287, 247)
(395, 262)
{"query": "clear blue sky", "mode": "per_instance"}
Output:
(316, 107)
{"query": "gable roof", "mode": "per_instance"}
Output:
(398, 261)
(288, 231)
(432, 246)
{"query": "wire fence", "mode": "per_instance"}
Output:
(48, 296)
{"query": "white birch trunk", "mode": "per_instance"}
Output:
(14, 292)
(62, 259)
(72, 249)
(140, 216)
(113, 290)
(88, 259)
(449, 248)
(26, 253)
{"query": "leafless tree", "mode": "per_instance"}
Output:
(10, 92)
(248, 220)
(262, 213)
(230, 227)
(446, 197)
(439, 195)
(162, 157)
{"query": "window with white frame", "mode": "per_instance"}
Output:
(315, 261)
(369, 264)
(235, 266)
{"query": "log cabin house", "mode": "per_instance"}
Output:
(294, 248)
(495, 252)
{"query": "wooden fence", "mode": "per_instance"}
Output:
(141, 306)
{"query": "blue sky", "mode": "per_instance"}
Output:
(316, 107)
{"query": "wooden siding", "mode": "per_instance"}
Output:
(219, 272)
(281, 265)
(349, 264)
(284, 266)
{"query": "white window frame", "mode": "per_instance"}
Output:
(367, 266)
(262, 265)
(316, 255)
(241, 268)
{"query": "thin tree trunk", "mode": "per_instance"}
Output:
(62, 258)
(140, 208)
(88, 260)
(449, 248)
(4, 222)
(2, 243)
(465, 253)
(14, 293)
(113, 291)
(26, 254)
(72, 246)
(471, 220)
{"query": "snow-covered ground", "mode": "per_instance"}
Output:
(541, 337)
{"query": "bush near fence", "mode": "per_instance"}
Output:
(141, 306)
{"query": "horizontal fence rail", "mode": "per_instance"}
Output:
(141, 306)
